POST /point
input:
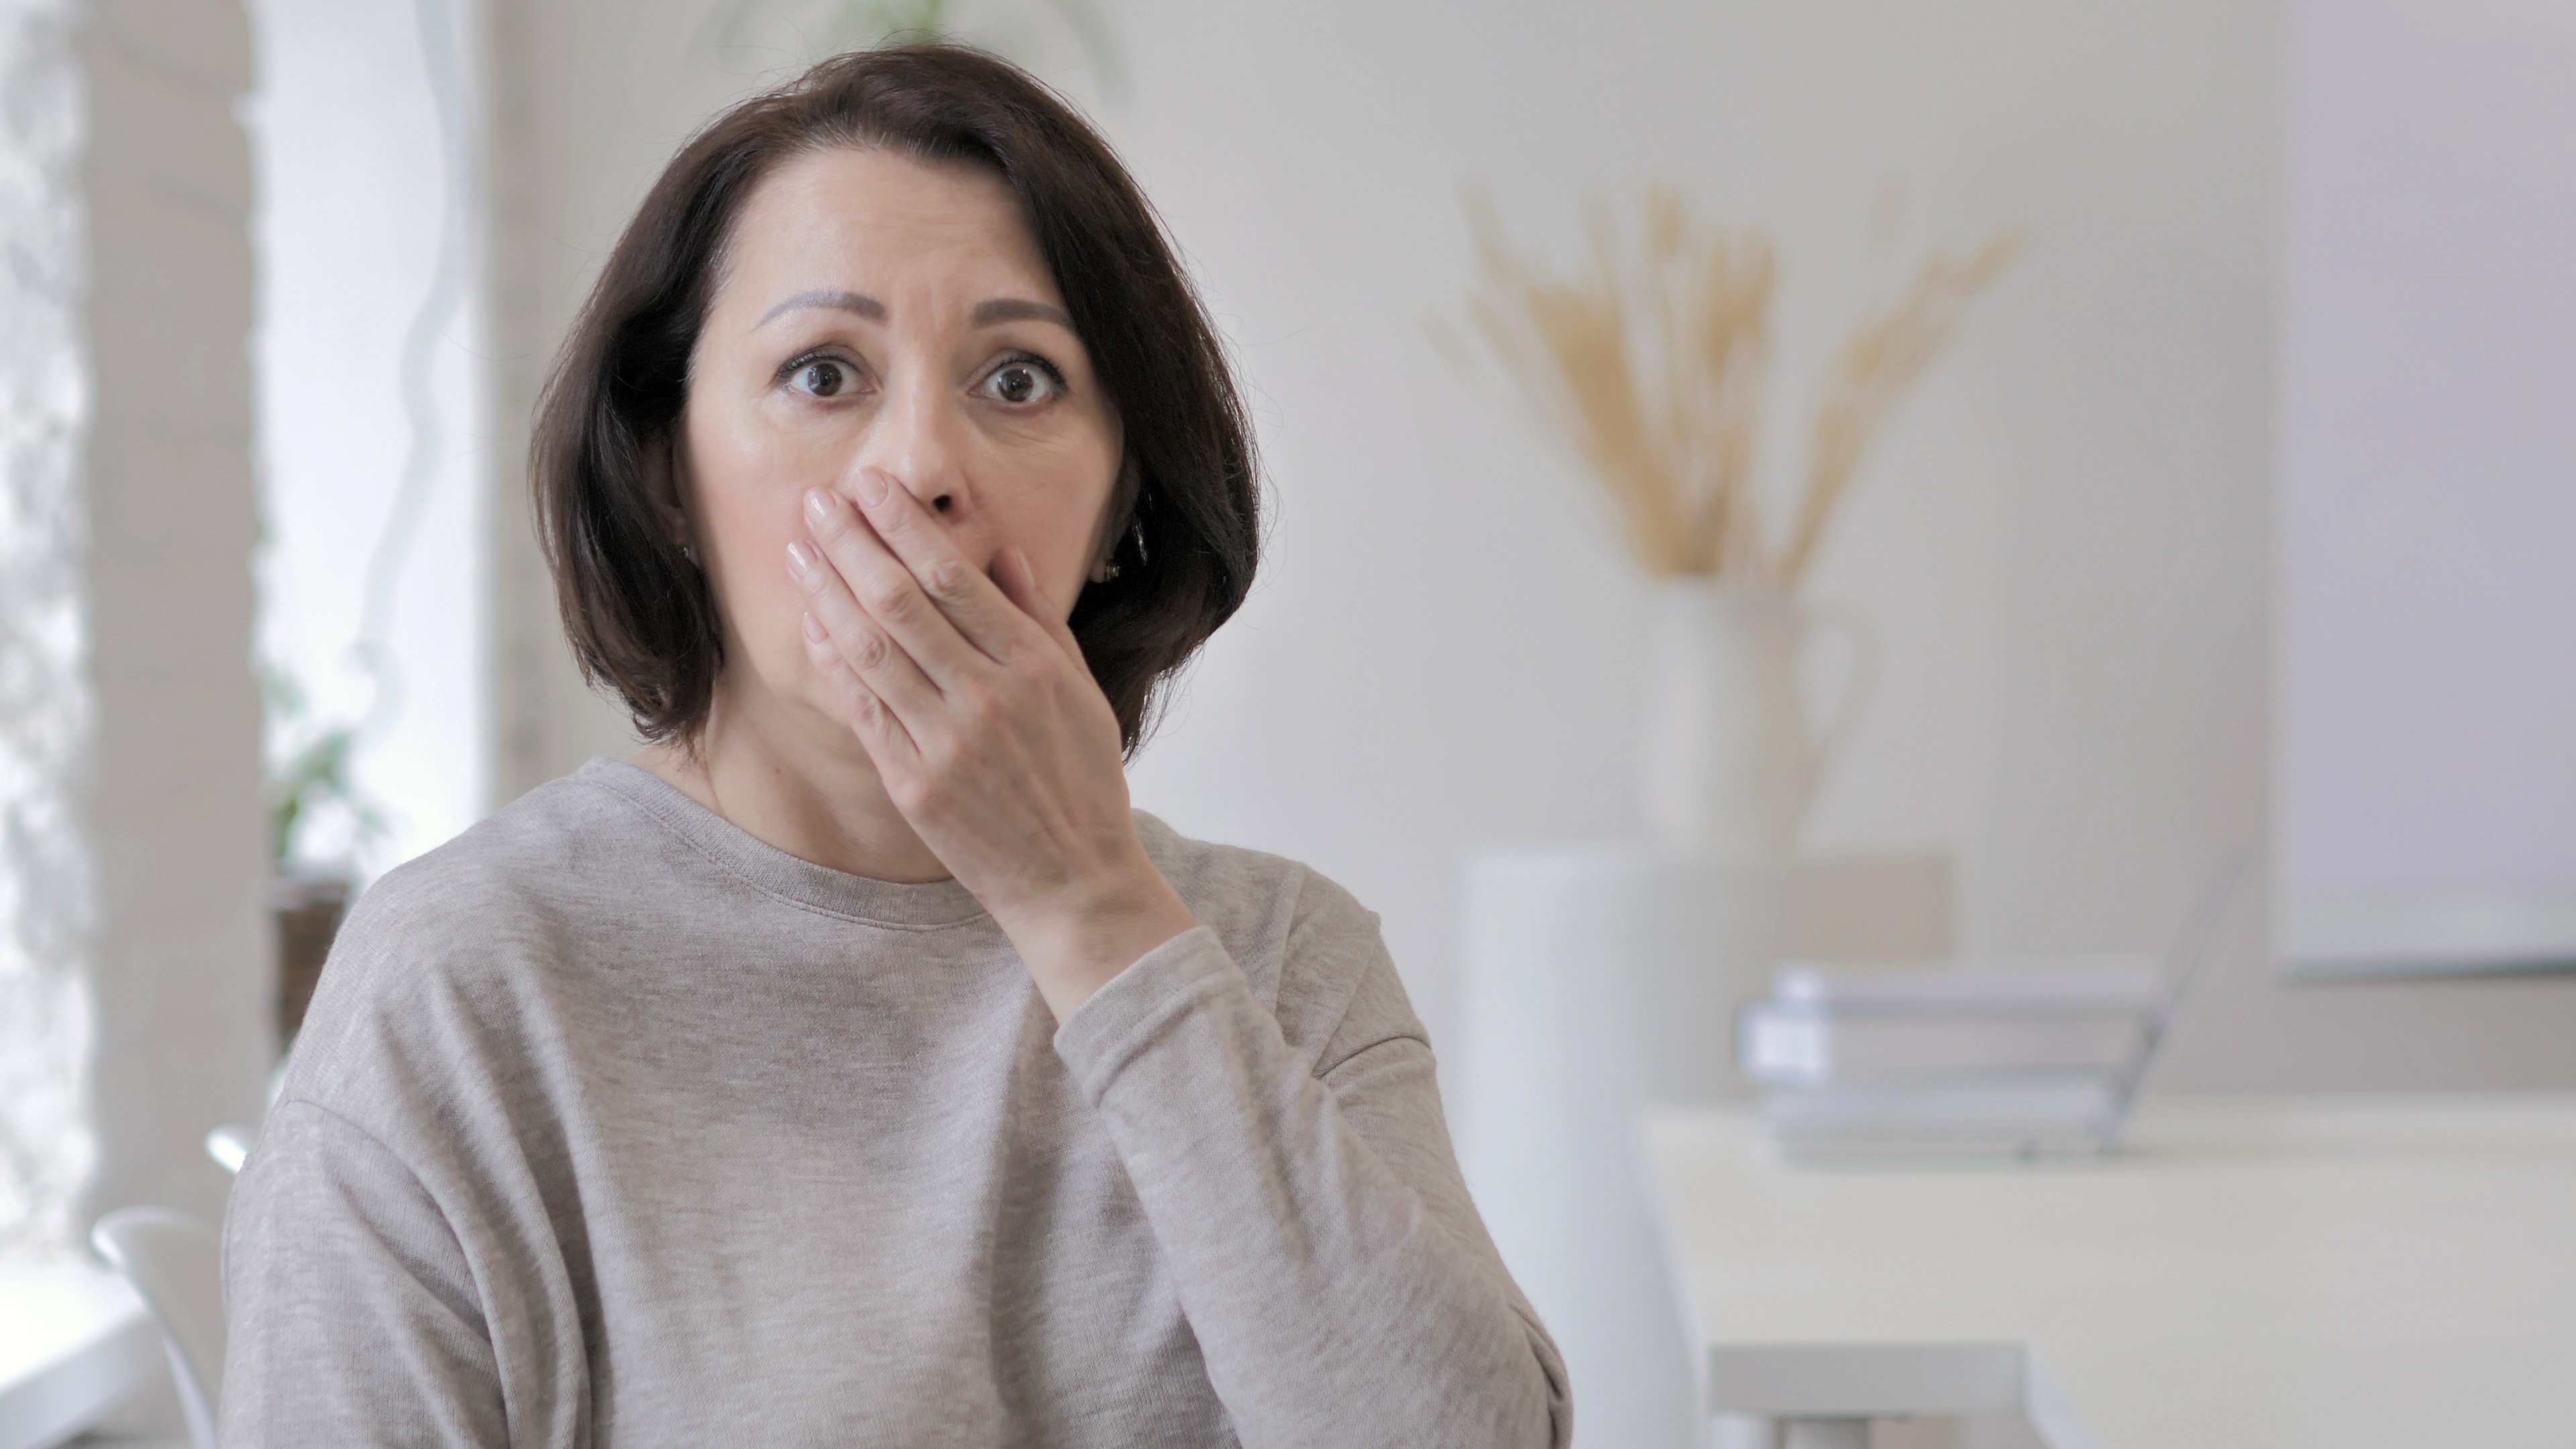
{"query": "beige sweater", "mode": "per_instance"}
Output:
(613, 1125)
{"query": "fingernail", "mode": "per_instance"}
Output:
(814, 630)
(800, 562)
(818, 505)
(872, 487)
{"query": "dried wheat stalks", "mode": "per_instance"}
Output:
(1651, 368)
(1651, 374)
(1877, 366)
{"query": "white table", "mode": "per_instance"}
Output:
(2319, 1273)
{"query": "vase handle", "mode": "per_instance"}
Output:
(1860, 681)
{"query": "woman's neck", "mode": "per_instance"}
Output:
(800, 782)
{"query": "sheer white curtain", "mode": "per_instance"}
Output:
(45, 888)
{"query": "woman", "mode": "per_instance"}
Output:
(852, 1065)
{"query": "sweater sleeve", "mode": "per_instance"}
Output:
(353, 1320)
(1341, 1286)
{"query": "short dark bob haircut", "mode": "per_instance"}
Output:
(640, 615)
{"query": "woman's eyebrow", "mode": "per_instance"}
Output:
(867, 307)
(999, 309)
(1020, 309)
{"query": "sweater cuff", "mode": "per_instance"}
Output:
(1142, 1004)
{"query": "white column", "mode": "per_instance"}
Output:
(542, 207)
(180, 965)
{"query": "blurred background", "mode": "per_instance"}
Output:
(2230, 517)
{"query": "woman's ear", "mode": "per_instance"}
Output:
(666, 484)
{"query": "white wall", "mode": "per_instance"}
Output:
(2066, 541)
(1448, 648)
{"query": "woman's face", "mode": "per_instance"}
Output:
(880, 312)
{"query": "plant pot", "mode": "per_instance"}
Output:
(308, 910)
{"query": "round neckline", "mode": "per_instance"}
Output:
(919, 905)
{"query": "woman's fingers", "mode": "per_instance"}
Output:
(959, 590)
(1019, 583)
(855, 637)
(878, 727)
(886, 590)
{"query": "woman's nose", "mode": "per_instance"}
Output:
(917, 440)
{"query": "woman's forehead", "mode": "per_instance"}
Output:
(881, 224)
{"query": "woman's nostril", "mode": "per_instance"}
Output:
(941, 503)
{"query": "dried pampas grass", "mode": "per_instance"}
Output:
(1652, 365)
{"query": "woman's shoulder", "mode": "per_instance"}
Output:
(436, 961)
(558, 849)
(1313, 952)
(474, 925)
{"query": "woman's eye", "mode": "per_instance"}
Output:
(823, 377)
(1020, 382)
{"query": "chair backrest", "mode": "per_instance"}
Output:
(229, 1145)
(175, 1264)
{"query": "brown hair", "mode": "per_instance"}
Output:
(641, 617)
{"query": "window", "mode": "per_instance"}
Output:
(2427, 714)
(45, 894)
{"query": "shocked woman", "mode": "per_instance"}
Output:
(852, 1065)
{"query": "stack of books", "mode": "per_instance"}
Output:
(2004, 1059)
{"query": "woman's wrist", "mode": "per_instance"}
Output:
(1080, 941)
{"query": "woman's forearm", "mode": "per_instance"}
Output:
(1334, 1274)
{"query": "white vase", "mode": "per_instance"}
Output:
(1731, 755)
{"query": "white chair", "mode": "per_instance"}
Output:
(229, 1146)
(175, 1264)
